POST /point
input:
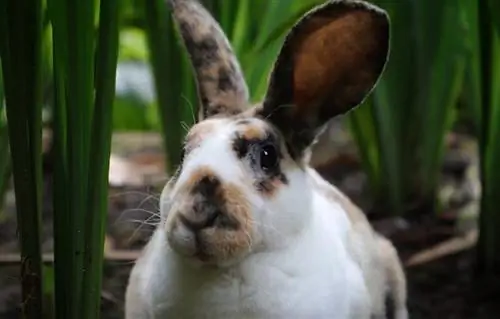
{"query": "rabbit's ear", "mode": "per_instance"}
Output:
(221, 85)
(330, 61)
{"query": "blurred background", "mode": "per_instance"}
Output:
(96, 97)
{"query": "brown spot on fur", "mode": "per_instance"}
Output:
(221, 85)
(223, 244)
(253, 132)
(195, 177)
(197, 133)
(225, 233)
(270, 186)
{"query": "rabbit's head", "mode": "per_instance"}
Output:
(242, 184)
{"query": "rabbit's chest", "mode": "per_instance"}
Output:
(274, 295)
(264, 291)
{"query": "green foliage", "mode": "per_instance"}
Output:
(5, 160)
(133, 44)
(132, 115)
(485, 69)
(173, 81)
(84, 77)
(401, 127)
(20, 41)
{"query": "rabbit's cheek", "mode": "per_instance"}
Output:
(182, 239)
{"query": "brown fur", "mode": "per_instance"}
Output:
(195, 177)
(223, 244)
(218, 242)
(270, 187)
(197, 133)
(221, 86)
(329, 62)
(350, 71)
(253, 131)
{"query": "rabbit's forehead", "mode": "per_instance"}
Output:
(227, 131)
(219, 144)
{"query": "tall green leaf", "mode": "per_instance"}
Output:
(172, 81)
(74, 45)
(63, 264)
(21, 33)
(489, 238)
(414, 101)
(5, 156)
(106, 61)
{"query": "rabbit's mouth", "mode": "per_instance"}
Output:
(211, 245)
(210, 221)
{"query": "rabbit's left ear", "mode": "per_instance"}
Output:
(329, 63)
(221, 85)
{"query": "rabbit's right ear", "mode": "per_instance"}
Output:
(330, 61)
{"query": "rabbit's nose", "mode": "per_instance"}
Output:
(204, 202)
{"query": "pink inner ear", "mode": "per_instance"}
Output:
(336, 60)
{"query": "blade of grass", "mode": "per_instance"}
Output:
(442, 84)
(63, 254)
(279, 18)
(167, 64)
(106, 58)
(73, 36)
(21, 32)
(489, 238)
(225, 13)
(80, 86)
(486, 237)
(365, 134)
(240, 26)
(5, 160)
(414, 101)
(472, 77)
(388, 138)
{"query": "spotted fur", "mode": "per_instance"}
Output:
(221, 85)
(249, 230)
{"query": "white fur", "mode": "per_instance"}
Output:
(307, 259)
(313, 277)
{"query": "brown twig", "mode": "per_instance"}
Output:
(446, 248)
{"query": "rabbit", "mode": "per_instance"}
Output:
(248, 228)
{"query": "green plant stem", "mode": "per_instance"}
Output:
(80, 93)
(489, 223)
(167, 63)
(107, 56)
(5, 160)
(73, 38)
(63, 280)
(21, 30)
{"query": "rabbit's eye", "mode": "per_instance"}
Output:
(268, 157)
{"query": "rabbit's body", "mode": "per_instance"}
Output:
(296, 282)
(248, 229)
(316, 276)
(325, 273)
